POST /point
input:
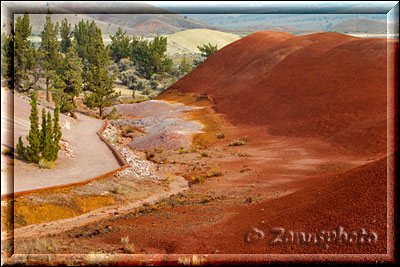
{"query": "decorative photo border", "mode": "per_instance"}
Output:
(391, 9)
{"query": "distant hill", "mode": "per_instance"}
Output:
(153, 23)
(297, 21)
(361, 25)
(139, 19)
(38, 21)
(187, 41)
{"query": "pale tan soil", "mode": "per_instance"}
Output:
(84, 141)
(187, 41)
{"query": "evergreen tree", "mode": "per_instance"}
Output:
(21, 149)
(48, 144)
(99, 84)
(43, 144)
(206, 52)
(43, 131)
(7, 57)
(33, 150)
(50, 56)
(82, 36)
(69, 84)
(66, 34)
(88, 42)
(56, 134)
(23, 54)
(150, 57)
(184, 66)
(120, 47)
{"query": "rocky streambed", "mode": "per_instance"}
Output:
(157, 124)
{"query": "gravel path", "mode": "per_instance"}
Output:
(91, 157)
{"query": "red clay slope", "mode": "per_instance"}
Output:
(353, 200)
(325, 85)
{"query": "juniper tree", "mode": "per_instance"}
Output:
(24, 60)
(150, 57)
(66, 34)
(21, 149)
(120, 47)
(43, 131)
(100, 80)
(69, 84)
(184, 66)
(50, 56)
(56, 133)
(48, 143)
(33, 150)
(206, 52)
(7, 56)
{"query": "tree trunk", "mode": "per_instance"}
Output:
(48, 94)
(73, 115)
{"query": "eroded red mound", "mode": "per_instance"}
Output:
(326, 85)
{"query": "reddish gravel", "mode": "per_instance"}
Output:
(323, 85)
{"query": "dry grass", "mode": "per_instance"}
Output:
(128, 247)
(37, 246)
(183, 150)
(194, 261)
(214, 172)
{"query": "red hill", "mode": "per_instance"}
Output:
(325, 85)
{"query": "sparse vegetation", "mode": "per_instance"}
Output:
(149, 155)
(158, 149)
(196, 179)
(194, 261)
(183, 150)
(220, 135)
(113, 115)
(237, 143)
(204, 154)
(214, 172)
(44, 164)
(241, 153)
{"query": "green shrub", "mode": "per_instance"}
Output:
(158, 149)
(45, 164)
(220, 135)
(204, 154)
(237, 143)
(196, 179)
(183, 150)
(214, 172)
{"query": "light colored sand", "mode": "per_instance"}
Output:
(187, 41)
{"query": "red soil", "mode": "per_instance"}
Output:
(325, 85)
(353, 200)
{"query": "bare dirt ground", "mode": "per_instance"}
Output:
(227, 184)
(90, 156)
